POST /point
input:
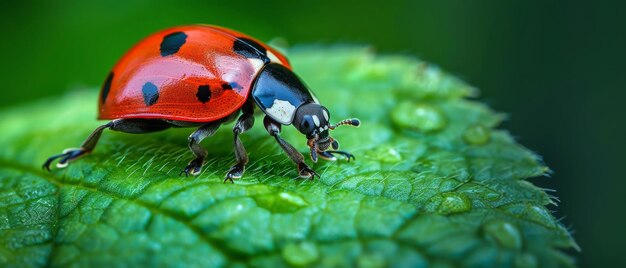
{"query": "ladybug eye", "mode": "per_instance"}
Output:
(307, 124)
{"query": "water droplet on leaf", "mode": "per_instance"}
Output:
(477, 134)
(504, 233)
(479, 191)
(371, 261)
(525, 260)
(283, 202)
(531, 212)
(541, 215)
(418, 116)
(300, 254)
(385, 154)
(454, 203)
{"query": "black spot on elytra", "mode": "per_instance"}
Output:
(204, 93)
(150, 93)
(231, 85)
(250, 49)
(106, 88)
(172, 42)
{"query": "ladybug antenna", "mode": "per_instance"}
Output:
(352, 122)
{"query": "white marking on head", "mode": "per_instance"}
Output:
(316, 120)
(281, 111)
(325, 114)
(257, 64)
(273, 57)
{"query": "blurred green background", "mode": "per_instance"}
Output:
(554, 67)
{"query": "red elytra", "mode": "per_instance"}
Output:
(206, 59)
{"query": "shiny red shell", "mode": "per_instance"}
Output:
(145, 83)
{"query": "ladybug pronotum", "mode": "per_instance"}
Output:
(205, 76)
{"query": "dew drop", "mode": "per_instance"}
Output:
(477, 134)
(418, 116)
(454, 203)
(300, 254)
(385, 154)
(541, 215)
(293, 199)
(371, 261)
(479, 191)
(283, 202)
(525, 260)
(534, 213)
(504, 233)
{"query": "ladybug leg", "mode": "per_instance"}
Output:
(345, 154)
(71, 154)
(195, 166)
(273, 128)
(134, 126)
(244, 122)
(327, 156)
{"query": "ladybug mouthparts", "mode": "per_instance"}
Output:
(323, 141)
(320, 143)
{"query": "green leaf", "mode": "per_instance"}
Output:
(434, 183)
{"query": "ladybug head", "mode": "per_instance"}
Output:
(312, 120)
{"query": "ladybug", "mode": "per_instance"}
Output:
(205, 76)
